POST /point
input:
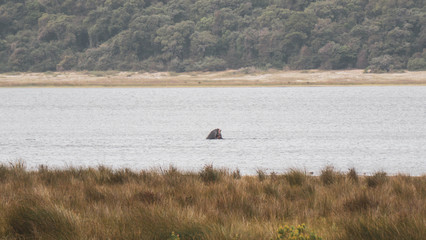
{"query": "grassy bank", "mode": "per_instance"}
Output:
(230, 78)
(100, 203)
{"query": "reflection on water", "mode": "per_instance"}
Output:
(274, 129)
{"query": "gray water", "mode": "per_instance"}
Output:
(271, 129)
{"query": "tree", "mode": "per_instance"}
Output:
(381, 64)
(203, 43)
(144, 31)
(175, 39)
(211, 34)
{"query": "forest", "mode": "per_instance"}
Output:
(211, 35)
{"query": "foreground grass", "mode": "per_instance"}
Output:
(100, 203)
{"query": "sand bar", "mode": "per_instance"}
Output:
(227, 78)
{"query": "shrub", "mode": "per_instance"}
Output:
(178, 65)
(297, 233)
(67, 63)
(416, 64)
(174, 236)
(381, 64)
(211, 64)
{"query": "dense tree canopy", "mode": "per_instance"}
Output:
(193, 35)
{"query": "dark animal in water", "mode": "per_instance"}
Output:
(215, 134)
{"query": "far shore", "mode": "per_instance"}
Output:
(229, 78)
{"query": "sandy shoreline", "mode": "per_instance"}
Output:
(228, 78)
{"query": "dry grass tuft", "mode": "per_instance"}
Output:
(35, 218)
(295, 177)
(392, 228)
(360, 202)
(329, 175)
(353, 175)
(210, 175)
(377, 179)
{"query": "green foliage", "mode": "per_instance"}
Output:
(210, 64)
(416, 64)
(205, 35)
(174, 236)
(295, 233)
(381, 64)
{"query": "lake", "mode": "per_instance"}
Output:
(370, 128)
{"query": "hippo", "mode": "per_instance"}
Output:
(215, 134)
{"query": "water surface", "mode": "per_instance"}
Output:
(273, 129)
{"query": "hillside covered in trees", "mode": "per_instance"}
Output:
(209, 35)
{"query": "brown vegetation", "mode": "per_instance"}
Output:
(101, 203)
(242, 77)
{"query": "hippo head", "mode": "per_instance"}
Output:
(215, 134)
